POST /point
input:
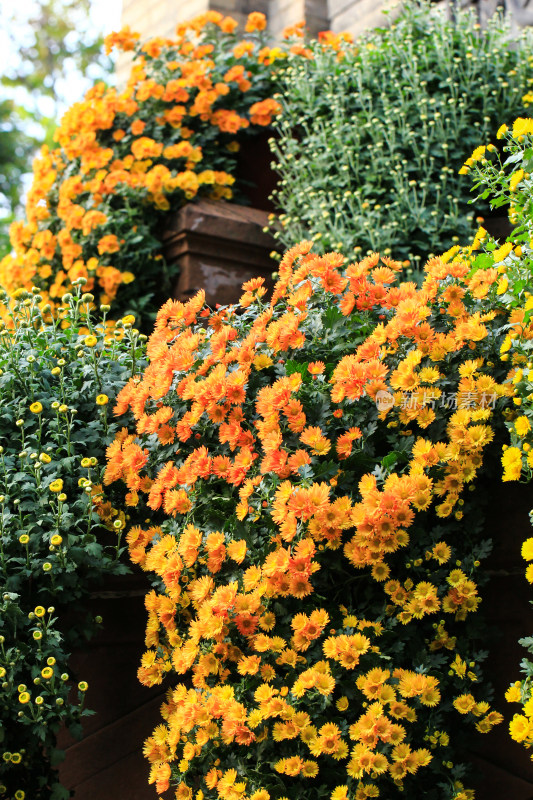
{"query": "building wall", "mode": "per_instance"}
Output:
(160, 17)
(282, 13)
(357, 16)
(153, 18)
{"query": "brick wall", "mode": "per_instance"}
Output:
(357, 16)
(159, 17)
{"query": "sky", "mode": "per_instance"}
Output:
(105, 18)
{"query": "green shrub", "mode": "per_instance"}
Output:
(372, 134)
(59, 534)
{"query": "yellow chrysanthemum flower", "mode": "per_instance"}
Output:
(527, 549)
(520, 728)
(340, 793)
(513, 694)
(512, 464)
(502, 130)
(516, 177)
(522, 426)
(342, 703)
(506, 344)
(502, 252)
(503, 285)
(262, 361)
(528, 708)
(522, 126)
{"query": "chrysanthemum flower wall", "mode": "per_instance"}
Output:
(124, 159)
(303, 468)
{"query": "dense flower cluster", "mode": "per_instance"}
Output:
(509, 182)
(124, 158)
(305, 466)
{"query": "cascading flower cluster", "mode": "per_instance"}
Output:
(124, 158)
(304, 466)
(508, 181)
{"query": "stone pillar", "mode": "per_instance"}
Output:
(283, 13)
(358, 16)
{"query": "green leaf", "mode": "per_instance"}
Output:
(57, 756)
(59, 792)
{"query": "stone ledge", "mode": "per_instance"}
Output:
(217, 247)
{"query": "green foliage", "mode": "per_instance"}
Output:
(51, 47)
(372, 135)
(55, 44)
(58, 534)
(15, 149)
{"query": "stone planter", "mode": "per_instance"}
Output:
(254, 167)
(108, 764)
(217, 247)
